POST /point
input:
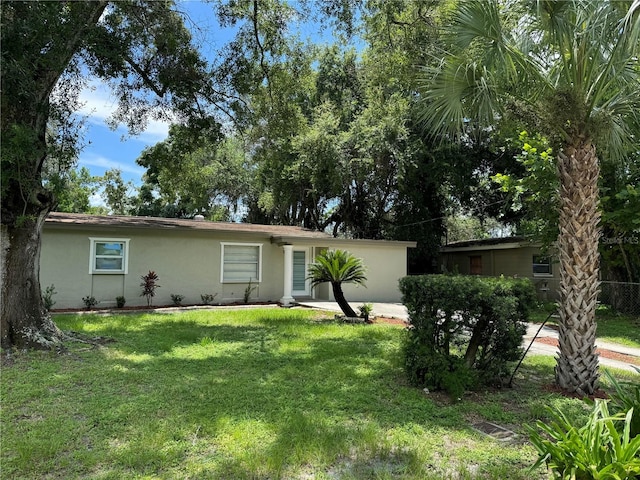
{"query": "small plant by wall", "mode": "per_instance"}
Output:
(120, 301)
(177, 299)
(149, 285)
(208, 298)
(47, 297)
(465, 330)
(248, 291)
(89, 301)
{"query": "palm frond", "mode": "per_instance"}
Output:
(576, 61)
(337, 266)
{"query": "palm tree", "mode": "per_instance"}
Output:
(338, 267)
(570, 69)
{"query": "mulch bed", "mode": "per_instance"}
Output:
(143, 308)
(390, 321)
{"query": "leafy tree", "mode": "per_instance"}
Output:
(72, 189)
(189, 174)
(117, 194)
(338, 267)
(571, 70)
(49, 49)
(620, 204)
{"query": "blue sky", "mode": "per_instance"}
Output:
(105, 148)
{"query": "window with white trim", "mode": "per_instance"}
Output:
(241, 262)
(109, 255)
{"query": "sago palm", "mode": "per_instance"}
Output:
(570, 67)
(338, 267)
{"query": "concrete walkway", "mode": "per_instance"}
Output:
(398, 310)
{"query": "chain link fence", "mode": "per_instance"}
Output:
(623, 297)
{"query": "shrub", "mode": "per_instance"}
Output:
(120, 301)
(176, 298)
(149, 285)
(89, 301)
(464, 330)
(600, 449)
(365, 310)
(47, 297)
(207, 298)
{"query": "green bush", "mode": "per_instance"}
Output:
(89, 301)
(464, 330)
(120, 301)
(207, 298)
(600, 449)
(177, 299)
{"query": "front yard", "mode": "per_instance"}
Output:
(252, 394)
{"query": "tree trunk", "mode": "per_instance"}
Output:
(24, 321)
(577, 362)
(342, 302)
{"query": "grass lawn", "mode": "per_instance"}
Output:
(251, 394)
(612, 327)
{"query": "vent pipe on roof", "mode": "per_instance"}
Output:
(199, 218)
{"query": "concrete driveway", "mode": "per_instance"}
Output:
(539, 347)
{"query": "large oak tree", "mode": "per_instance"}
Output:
(49, 51)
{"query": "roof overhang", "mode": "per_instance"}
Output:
(333, 241)
(475, 248)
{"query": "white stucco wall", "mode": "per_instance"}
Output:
(386, 264)
(188, 262)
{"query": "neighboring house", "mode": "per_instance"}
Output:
(510, 256)
(105, 256)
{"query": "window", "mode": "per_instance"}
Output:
(109, 255)
(241, 262)
(541, 266)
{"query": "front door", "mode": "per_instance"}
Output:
(300, 263)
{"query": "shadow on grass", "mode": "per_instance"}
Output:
(265, 399)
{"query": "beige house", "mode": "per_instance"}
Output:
(511, 257)
(105, 256)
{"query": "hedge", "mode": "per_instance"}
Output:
(464, 331)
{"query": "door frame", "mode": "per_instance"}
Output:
(307, 283)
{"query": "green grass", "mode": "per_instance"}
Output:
(612, 326)
(252, 394)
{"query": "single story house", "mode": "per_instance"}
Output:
(105, 257)
(509, 256)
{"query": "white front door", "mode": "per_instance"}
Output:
(299, 278)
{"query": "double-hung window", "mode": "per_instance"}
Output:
(241, 262)
(109, 255)
(542, 266)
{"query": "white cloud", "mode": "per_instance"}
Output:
(93, 160)
(98, 105)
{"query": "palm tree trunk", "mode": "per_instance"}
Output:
(342, 302)
(577, 362)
